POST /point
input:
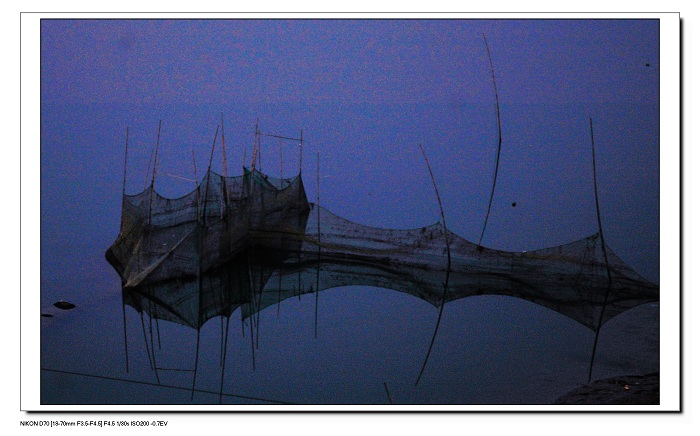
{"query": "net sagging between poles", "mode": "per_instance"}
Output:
(252, 241)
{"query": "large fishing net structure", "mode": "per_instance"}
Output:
(252, 241)
(186, 260)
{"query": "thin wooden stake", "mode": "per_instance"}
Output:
(279, 290)
(196, 364)
(223, 366)
(318, 229)
(224, 187)
(158, 333)
(301, 146)
(223, 148)
(449, 266)
(126, 153)
(386, 388)
(155, 160)
(206, 189)
(153, 179)
(148, 171)
(605, 256)
(500, 140)
(196, 184)
(126, 349)
(145, 341)
(255, 146)
(153, 351)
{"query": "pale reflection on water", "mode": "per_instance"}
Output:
(489, 350)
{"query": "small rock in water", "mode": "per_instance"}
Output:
(64, 305)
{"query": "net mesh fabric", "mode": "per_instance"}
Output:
(252, 241)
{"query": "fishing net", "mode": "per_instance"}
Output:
(252, 241)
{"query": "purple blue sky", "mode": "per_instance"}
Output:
(365, 93)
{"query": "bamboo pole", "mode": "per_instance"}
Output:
(223, 366)
(279, 290)
(148, 170)
(301, 145)
(449, 266)
(223, 148)
(155, 160)
(258, 304)
(121, 224)
(126, 348)
(386, 388)
(251, 317)
(196, 184)
(153, 178)
(145, 340)
(224, 187)
(196, 363)
(206, 189)
(500, 140)
(158, 333)
(153, 351)
(318, 229)
(255, 146)
(605, 255)
(126, 153)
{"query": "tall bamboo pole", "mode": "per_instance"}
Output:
(153, 178)
(605, 255)
(449, 265)
(500, 141)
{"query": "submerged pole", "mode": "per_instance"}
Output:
(301, 147)
(158, 333)
(145, 340)
(605, 255)
(449, 265)
(126, 349)
(196, 364)
(223, 365)
(279, 290)
(153, 351)
(318, 229)
(386, 389)
(258, 304)
(253, 308)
